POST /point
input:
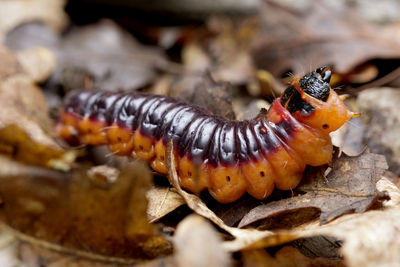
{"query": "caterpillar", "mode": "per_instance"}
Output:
(230, 157)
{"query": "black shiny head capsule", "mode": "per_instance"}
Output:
(315, 84)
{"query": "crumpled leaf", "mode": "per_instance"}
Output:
(349, 138)
(369, 239)
(286, 256)
(14, 13)
(8, 249)
(394, 192)
(380, 112)
(196, 243)
(78, 215)
(26, 131)
(226, 55)
(162, 201)
(349, 187)
(206, 92)
(298, 41)
(9, 64)
(39, 63)
(106, 57)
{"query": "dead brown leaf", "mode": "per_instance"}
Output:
(394, 192)
(349, 187)
(26, 131)
(319, 35)
(162, 201)
(14, 13)
(286, 256)
(80, 216)
(197, 243)
(39, 63)
(8, 249)
(104, 56)
(224, 51)
(9, 64)
(206, 92)
(380, 113)
(349, 138)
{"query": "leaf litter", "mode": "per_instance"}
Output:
(79, 216)
(57, 197)
(26, 130)
(349, 187)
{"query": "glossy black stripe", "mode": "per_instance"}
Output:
(85, 109)
(146, 127)
(213, 152)
(253, 147)
(190, 133)
(116, 108)
(178, 124)
(162, 114)
(75, 101)
(102, 105)
(200, 139)
(128, 110)
(194, 132)
(141, 112)
(241, 142)
(168, 120)
(227, 152)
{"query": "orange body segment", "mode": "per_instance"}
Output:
(259, 176)
(227, 184)
(193, 178)
(120, 140)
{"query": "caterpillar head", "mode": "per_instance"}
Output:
(311, 101)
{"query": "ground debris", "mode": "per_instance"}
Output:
(349, 187)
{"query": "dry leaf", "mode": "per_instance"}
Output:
(162, 201)
(349, 187)
(298, 41)
(71, 211)
(285, 257)
(14, 13)
(380, 111)
(103, 176)
(9, 64)
(370, 239)
(27, 251)
(394, 192)
(197, 243)
(349, 138)
(104, 56)
(8, 249)
(39, 63)
(26, 131)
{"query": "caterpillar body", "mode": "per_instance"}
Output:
(231, 157)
